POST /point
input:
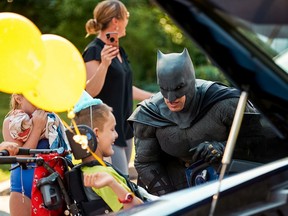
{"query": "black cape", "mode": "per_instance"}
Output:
(154, 112)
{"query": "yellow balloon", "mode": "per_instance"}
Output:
(21, 52)
(64, 76)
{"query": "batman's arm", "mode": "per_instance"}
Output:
(148, 160)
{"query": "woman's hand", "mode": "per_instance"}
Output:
(108, 53)
(97, 70)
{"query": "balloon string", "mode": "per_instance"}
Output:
(75, 126)
(67, 126)
(78, 133)
(96, 157)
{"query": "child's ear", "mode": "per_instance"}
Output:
(96, 131)
(18, 98)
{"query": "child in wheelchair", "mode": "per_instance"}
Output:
(104, 184)
(89, 188)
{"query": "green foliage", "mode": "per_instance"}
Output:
(149, 30)
(4, 109)
(4, 172)
(72, 19)
(208, 72)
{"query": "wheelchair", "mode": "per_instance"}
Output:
(60, 188)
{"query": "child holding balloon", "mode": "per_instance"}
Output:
(32, 128)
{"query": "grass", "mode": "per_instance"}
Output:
(4, 172)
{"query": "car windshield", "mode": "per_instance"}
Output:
(269, 38)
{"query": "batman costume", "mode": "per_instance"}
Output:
(164, 138)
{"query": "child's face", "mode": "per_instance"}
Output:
(26, 106)
(107, 136)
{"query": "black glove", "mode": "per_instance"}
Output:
(211, 152)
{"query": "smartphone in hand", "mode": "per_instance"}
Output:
(112, 39)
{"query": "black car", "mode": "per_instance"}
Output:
(246, 40)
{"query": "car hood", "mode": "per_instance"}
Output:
(177, 202)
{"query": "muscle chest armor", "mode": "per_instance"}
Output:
(177, 142)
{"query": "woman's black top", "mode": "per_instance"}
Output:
(117, 89)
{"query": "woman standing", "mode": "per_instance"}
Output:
(109, 76)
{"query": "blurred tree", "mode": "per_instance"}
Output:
(209, 72)
(149, 30)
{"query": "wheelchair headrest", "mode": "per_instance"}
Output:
(77, 150)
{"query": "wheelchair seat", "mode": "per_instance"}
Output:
(82, 204)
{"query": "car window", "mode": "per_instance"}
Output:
(269, 38)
